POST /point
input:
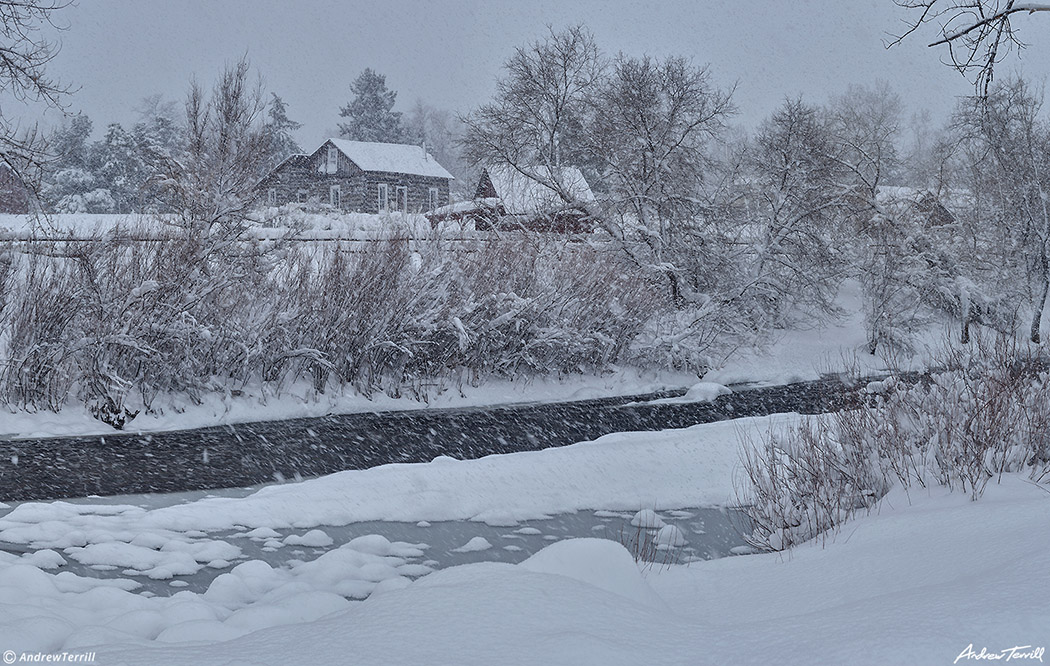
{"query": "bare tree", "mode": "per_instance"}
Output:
(535, 118)
(637, 127)
(214, 180)
(24, 56)
(865, 123)
(978, 33)
(651, 123)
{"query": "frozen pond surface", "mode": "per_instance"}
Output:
(708, 533)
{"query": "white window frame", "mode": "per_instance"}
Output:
(401, 204)
(383, 197)
(271, 196)
(332, 165)
(432, 198)
(335, 197)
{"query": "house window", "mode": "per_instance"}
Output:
(382, 198)
(333, 196)
(300, 196)
(333, 159)
(432, 198)
(402, 198)
(271, 196)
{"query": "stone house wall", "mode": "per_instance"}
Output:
(305, 179)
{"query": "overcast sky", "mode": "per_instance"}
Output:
(449, 52)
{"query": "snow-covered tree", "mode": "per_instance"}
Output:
(69, 143)
(158, 136)
(159, 129)
(797, 202)
(68, 174)
(370, 115)
(213, 177)
(117, 166)
(651, 122)
(891, 254)
(441, 131)
(279, 129)
(1007, 136)
(641, 130)
(865, 123)
(540, 100)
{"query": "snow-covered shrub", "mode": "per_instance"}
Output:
(803, 482)
(398, 313)
(983, 413)
(96, 201)
(40, 335)
(172, 310)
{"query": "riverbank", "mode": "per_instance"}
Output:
(917, 580)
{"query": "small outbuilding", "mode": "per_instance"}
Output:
(508, 198)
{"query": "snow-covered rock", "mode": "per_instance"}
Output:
(647, 519)
(474, 545)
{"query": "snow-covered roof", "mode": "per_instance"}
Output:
(391, 157)
(294, 157)
(524, 195)
(470, 205)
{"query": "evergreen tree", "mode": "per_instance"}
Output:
(370, 115)
(67, 176)
(278, 132)
(117, 166)
(441, 132)
(158, 137)
(69, 143)
(159, 128)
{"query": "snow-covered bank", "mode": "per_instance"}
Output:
(46, 608)
(918, 583)
(301, 401)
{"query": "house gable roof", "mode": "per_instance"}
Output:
(522, 195)
(390, 157)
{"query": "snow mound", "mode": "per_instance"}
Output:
(699, 392)
(670, 536)
(599, 562)
(705, 392)
(313, 539)
(474, 545)
(647, 519)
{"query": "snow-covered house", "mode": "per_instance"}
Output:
(358, 176)
(525, 199)
(932, 208)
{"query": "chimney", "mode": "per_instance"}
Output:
(426, 158)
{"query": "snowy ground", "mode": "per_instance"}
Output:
(917, 581)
